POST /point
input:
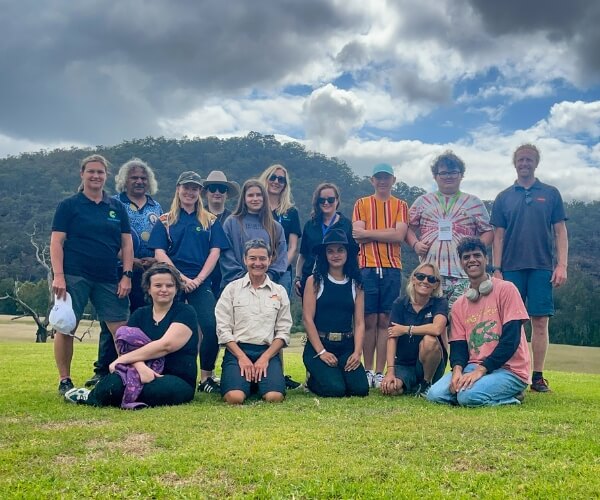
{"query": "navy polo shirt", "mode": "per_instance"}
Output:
(93, 236)
(188, 244)
(407, 349)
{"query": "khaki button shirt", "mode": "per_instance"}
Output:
(253, 315)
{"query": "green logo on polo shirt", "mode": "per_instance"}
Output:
(112, 214)
(198, 228)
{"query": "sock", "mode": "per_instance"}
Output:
(537, 375)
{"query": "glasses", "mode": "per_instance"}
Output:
(453, 174)
(279, 178)
(429, 277)
(528, 197)
(213, 188)
(329, 199)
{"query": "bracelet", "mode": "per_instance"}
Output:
(319, 353)
(415, 244)
(410, 331)
(58, 274)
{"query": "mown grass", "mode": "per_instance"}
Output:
(307, 447)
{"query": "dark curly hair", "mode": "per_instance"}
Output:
(351, 269)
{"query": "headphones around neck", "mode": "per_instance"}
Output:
(485, 288)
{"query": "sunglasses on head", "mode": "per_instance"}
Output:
(429, 277)
(279, 178)
(329, 199)
(213, 188)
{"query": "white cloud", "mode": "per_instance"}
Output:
(575, 118)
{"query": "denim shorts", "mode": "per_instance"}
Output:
(232, 380)
(381, 287)
(412, 375)
(535, 288)
(103, 297)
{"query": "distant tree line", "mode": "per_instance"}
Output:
(32, 184)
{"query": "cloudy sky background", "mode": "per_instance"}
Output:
(366, 81)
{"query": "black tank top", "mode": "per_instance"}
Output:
(335, 307)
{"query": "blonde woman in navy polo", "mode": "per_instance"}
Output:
(191, 239)
(88, 232)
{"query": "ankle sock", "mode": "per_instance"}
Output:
(537, 375)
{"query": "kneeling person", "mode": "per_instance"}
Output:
(253, 322)
(488, 349)
(416, 353)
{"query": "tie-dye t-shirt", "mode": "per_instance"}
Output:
(480, 324)
(468, 216)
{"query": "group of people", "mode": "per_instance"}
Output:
(212, 277)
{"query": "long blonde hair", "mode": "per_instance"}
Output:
(285, 197)
(205, 218)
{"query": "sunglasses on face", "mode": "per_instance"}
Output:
(213, 188)
(431, 279)
(329, 199)
(279, 178)
(528, 197)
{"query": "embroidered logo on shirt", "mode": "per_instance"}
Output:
(275, 297)
(429, 315)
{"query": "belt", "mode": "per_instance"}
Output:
(336, 336)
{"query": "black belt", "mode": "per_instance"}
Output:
(336, 336)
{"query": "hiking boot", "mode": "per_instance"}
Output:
(377, 380)
(66, 384)
(290, 383)
(77, 396)
(209, 385)
(93, 381)
(540, 385)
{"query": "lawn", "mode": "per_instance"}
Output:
(307, 447)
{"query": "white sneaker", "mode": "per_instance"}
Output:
(77, 395)
(371, 378)
(377, 380)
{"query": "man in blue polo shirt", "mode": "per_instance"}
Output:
(527, 217)
(135, 182)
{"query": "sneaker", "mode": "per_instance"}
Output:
(422, 389)
(290, 383)
(77, 396)
(93, 381)
(540, 385)
(66, 384)
(377, 380)
(520, 397)
(371, 378)
(209, 385)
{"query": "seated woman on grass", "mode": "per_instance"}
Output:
(157, 351)
(333, 313)
(416, 353)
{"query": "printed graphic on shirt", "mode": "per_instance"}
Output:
(481, 335)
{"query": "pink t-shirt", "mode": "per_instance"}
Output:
(480, 324)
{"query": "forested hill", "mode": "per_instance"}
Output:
(31, 185)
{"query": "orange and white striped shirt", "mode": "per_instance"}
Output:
(378, 214)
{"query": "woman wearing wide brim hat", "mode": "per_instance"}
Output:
(218, 189)
(333, 314)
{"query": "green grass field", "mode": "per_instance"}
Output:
(307, 447)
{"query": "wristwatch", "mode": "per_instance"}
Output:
(128, 274)
(494, 269)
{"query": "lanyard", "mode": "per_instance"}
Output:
(447, 205)
(326, 228)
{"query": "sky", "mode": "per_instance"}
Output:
(365, 81)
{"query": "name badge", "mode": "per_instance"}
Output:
(445, 230)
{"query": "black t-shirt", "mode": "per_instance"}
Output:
(93, 236)
(313, 236)
(181, 363)
(407, 349)
(290, 221)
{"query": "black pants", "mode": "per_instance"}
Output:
(333, 381)
(203, 302)
(163, 391)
